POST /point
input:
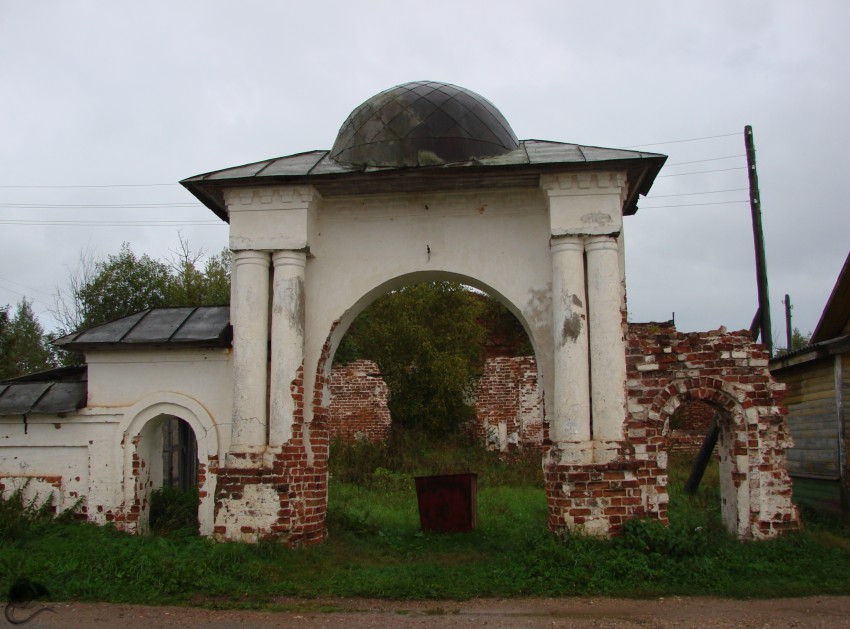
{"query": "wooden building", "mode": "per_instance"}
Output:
(818, 395)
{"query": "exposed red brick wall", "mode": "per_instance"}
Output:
(689, 426)
(359, 402)
(666, 369)
(727, 372)
(290, 501)
(508, 413)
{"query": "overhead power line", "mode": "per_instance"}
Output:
(707, 137)
(693, 194)
(105, 185)
(95, 206)
(38, 290)
(699, 161)
(699, 172)
(650, 207)
(110, 223)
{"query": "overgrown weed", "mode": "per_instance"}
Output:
(376, 549)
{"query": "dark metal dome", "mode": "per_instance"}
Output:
(423, 123)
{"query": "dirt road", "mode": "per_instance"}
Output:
(821, 611)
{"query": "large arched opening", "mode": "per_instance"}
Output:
(361, 460)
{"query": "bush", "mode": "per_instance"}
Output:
(174, 511)
(20, 518)
(651, 536)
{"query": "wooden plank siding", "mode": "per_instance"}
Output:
(810, 398)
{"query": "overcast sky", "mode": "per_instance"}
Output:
(109, 92)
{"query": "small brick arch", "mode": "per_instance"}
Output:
(716, 392)
(735, 437)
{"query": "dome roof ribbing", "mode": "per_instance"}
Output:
(423, 123)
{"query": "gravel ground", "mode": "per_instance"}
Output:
(820, 611)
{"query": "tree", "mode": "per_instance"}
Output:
(799, 340)
(428, 343)
(124, 284)
(99, 291)
(23, 346)
(191, 286)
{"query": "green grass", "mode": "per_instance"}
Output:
(376, 549)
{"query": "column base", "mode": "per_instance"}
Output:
(270, 495)
(597, 498)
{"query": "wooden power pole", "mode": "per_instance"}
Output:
(789, 335)
(758, 237)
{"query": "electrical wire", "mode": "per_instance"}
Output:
(700, 172)
(108, 185)
(73, 223)
(699, 161)
(46, 206)
(650, 207)
(693, 194)
(707, 137)
(38, 290)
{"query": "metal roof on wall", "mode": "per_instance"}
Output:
(518, 168)
(54, 392)
(201, 326)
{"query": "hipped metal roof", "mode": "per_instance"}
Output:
(62, 391)
(201, 326)
(518, 168)
(54, 392)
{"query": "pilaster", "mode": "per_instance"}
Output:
(250, 318)
(571, 403)
(607, 346)
(287, 347)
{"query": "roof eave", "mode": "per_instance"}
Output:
(642, 172)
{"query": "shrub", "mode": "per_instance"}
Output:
(174, 511)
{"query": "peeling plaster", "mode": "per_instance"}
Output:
(571, 328)
(599, 219)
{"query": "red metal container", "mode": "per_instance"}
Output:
(448, 502)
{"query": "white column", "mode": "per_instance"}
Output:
(287, 352)
(250, 314)
(607, 346)
(571, 404)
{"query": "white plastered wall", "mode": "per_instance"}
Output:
(126, 391)
(361, 247)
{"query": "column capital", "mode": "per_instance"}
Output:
(558, 244)
(250, 256)
(600, 243)
(289, 257)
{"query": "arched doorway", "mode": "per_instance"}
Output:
(698, 408)
(432, 341)
(169, 441)
(164, 473)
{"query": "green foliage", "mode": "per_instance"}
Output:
(376, 549)
(23, 346)
(408, 453)
(653, 537)
(174, 512)
(190, 285)
(21, 518)
(799, 340)
(100, 291)
(428, 343)
(123, 284)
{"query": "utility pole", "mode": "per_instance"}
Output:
(788, 334)
(758, 237)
